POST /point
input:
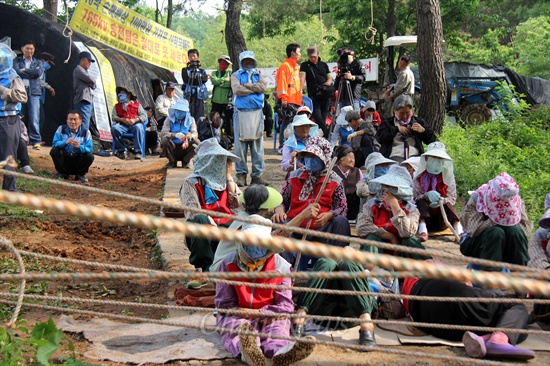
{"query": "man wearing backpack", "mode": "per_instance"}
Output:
(221, 93)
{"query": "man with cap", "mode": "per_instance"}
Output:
(221, 93)
(83, 84)
(129, 117)
(164, 102)
(30, 70)
(249, 89)
(496, 226)
(391, 216)
(315, 72)
(179, 136)
(12, 94)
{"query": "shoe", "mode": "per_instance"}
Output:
(260, 181)
(298, 330)
(27, 169)
(137, 157)
(498, 350)
(280, 150)
(268, 135)
(60, 176)
(37, 147)
(170, 165)
(241, 180)
(123, 155)
(251, 353)
(185, 166)
(103, 153)
(474, 345)
(366, 338)
(81, 178)
(154, 152)
(298, 352)
(423, 237)
(196, 283)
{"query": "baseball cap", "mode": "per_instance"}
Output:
(170, 85)
(225, 58)
(87, 55)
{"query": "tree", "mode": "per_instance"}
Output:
(430, 57)
(531, 42)
(50, 10)
(234, 38)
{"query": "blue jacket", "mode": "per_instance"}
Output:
(32, 74)
(83, 136)
(251, 101)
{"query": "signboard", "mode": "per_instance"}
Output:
(109, 22)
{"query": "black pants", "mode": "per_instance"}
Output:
(10, 133)
(196, 107)
(367, 147)
(226, 115)
(500, 315)
(320, 113)
(151, 139)
(71, 164)
(23, 153)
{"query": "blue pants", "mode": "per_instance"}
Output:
(136, 129)
(86, 109)
(241, 150)
(31, 110)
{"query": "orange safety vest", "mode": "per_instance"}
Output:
(288, 82)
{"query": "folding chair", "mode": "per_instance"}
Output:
(130, 136)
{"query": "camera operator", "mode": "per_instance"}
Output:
(194, 81)
(350, 71)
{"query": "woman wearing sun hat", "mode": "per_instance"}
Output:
(376, 165)
(301, 129)
(496, 223)
(258, 201)
(391, 217)
(434, 181)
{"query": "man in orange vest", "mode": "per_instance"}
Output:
(289, 88)
(129, 116)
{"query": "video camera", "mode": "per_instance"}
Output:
(194, 64)
(344, 64)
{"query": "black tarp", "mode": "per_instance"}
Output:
(135, 74)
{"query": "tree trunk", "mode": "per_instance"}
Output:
(157, 11)
(234, 38)
(169, 14)
(50, 10)
(430, 60)
(391, 25)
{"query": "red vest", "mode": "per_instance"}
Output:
(297, 206)
(219, 206)
(381, 218)
(130, 112)
(254, 297)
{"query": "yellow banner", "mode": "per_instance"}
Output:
(109, 22)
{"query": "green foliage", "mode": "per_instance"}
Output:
(519, 147)
(532, 41)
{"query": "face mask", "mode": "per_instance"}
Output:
(404, 122)
(435, 165)
(122, 98)
(314, 164)
(255, 252)
(380, 171)
(180, 115)
(47, 66)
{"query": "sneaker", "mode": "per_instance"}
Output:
(27, 169)
(123, 155)
(241, 180)
(251, 353)
(170, 165)
(196, 283)
(259, 181)
(37, 147)
(298, 352)
(137, 157)
(423, 237)
(81, 178)
(60, 176)
(474, 345)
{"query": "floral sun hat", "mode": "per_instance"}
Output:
(499, 199)
(544, 221)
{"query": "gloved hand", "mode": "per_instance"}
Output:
(180, 135)
(433, 197)
(351, 136)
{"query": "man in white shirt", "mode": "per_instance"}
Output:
(164, 102)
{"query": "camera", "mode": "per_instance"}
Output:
(194, 64)
(344, 64)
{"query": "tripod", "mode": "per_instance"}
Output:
(343, 85)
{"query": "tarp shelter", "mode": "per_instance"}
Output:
(142, 78)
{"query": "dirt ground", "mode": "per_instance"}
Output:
(71, 237)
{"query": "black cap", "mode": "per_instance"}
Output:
(87, 55)
(48, 57)
(170, 85)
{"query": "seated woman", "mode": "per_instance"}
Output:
(402, 136)
(345, 168)
(258, 200)
(434, 181)
(496, 224)
(376, 166)
(342, 129)
(362, 138)
(303, 186)
(301, 129)
(370, 115)
(210, 187)
(391, 217)
(411, 164)
(469, 313)
(210, 126)
(151, 134)
(179, 134)
(316, 303)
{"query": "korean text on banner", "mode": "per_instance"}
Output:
(123, 29)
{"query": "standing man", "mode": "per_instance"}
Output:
(30, 70)
(164, 102)
(289, 89)
(349, 79)
(83, 84)
(47, 62)
(315, 72)
(405, 79)
(249, 88)
(194, 80)
(72, 149)
(221, 94)
(12, 93)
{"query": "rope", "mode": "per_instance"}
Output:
(371, 28)
(70, 32)
(21, 294)
(522, 271)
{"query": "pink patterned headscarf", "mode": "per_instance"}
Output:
(499, 199)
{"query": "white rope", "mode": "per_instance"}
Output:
(70, 32)
(371, 28)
